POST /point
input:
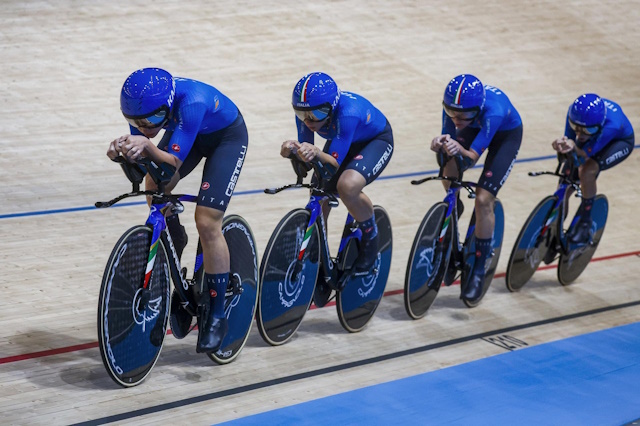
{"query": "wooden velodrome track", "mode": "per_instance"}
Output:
(63, 64)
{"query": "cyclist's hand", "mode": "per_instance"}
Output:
(437, 142)
(563, 145)
(134, 147)
(289, 147)
(307, 151)
(115, 147)
(451, 146)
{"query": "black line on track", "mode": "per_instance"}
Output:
(348, 365)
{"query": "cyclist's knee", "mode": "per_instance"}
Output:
(484, 202)
(589, 170)
(149, 184)
(208, 221)
(451, 169)
(350, 184)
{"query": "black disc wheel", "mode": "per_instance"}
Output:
(132, 320)
(243, 290)
(578, 255)
(358, 300)
(288, 279)
(428, 259)
(531, 245)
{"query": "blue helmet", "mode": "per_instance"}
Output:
(147, 96)
(587, 114)
(316, 92)
(464, 93)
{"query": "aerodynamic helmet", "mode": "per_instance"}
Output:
(587, 114)
(464, 97)
(147, 96)
(315, 96)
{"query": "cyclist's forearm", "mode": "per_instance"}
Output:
(159, 156)
(580, 152)
(327, 159)
(470, 153)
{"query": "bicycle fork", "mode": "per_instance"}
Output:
(328, 266)
(555, 241)
(451, 220)
(182, 285)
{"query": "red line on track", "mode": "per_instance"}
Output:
(92, 345)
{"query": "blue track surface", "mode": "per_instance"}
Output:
(593, 379)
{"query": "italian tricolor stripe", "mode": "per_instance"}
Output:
(305, 242)
(445, 226)
(553, 216)
(303, 92)
(150, 261)
(459, 92)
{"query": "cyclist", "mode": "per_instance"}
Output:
(602, 136)
(476, 118)
(359, 146)
(199, 121)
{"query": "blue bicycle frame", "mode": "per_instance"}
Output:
(553, 215)
(329, 269)
(156, 221)
(558, 209)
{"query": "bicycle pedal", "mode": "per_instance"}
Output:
(233, 291)
(234, 287)
(362, 274)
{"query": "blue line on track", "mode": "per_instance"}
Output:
(238, 193)
(253, 191)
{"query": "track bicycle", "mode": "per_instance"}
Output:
(297, 267)
(135, 296)
(543, 236)
(437, 247)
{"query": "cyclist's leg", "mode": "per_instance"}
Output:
(485, 223)
(216, 277)
(350, 186)
(610, 156)
(225, 151)
(367, 163)
(588, 173)
(614, 153)
(500, 159)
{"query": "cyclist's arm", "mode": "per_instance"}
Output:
(292, 146)
(448, 127)
(135, 147)
(447, 139)
(469, 153)
(568, 142)
(489, 126)
(325, 158)
(606, 136)
(340, 144)
(580, 152)
(304, 134)
(160, 156)
(306, 148)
